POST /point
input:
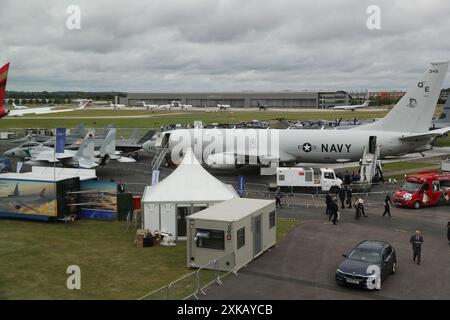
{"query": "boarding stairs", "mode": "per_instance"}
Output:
(368, 166)
(159, 157)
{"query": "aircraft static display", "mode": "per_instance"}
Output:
(405, 129)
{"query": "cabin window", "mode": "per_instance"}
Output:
(281, 177)
(272, 220)
(240, 237)
(435, 185)
(210, 239)
(328, 175)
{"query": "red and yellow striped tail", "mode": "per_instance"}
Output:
(3, 79)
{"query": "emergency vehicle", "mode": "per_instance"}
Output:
(424, 189)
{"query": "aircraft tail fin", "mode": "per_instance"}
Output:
(135, 135)
(109, 144)
(414, 111)
(86, 149)
(16, 190)
(80, 130)
(3, 80)
(83, 104)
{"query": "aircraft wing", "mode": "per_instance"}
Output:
(27, 206)
(125, 159)
(429, 134)
(51, 157)
(30, 111)
(87, 164)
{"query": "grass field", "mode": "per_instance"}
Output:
(147, 119)
(35, 256)
(406, 165)
(155, 119)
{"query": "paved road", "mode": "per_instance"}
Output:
(302, 265)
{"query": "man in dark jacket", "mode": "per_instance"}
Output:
(334, 210)
(448, 231)
(416, 241)
(349, 197)
(278, 195)
(347, 178)
(387, 206)
(342, 193)
(328, 201)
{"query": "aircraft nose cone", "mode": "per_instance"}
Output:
(9, 153)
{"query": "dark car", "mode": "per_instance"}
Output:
(358, 269)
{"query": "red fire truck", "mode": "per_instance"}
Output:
(424, 189)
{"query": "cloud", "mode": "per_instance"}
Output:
(220, 45)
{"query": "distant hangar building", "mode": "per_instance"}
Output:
(245, 99)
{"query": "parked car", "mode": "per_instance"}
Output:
(358, 268)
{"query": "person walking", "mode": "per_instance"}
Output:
(416, 241)
(334, 211)
(361, 204)
(328, 201)
(357, 206)
(342, 193)
(349, 197)
(448, 231)
(278, 197)
(387, 206)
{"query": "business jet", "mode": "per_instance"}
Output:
(223, 107)
(149, 106)
(117, 105)
(353, 107)
(23, 111)
(16, 107)
(405, 129)
(175, 105)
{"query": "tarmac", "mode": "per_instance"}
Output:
(303, 264)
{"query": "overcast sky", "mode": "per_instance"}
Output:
(220, 45)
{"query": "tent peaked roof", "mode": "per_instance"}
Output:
(189, 183)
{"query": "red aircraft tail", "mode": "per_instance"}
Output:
(3, 79)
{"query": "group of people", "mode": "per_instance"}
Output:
(345, 195)
(349, 178)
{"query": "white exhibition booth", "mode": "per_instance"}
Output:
(187, 190)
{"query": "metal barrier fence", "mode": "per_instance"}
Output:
(194, 283)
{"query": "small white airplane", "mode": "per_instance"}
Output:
(117, 105)
(175, 105)
(353, 107)
(16, 107)
(19, 112)
(150, 106)
(223, 106)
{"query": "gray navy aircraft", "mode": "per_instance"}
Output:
(405, 129)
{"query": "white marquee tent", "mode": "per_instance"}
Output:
(187, 190)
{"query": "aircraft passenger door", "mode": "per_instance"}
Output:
(372, 144)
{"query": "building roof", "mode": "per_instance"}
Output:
(30, 176)
(231, 210)
(189, 183)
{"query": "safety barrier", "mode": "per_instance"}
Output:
(194, 283)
